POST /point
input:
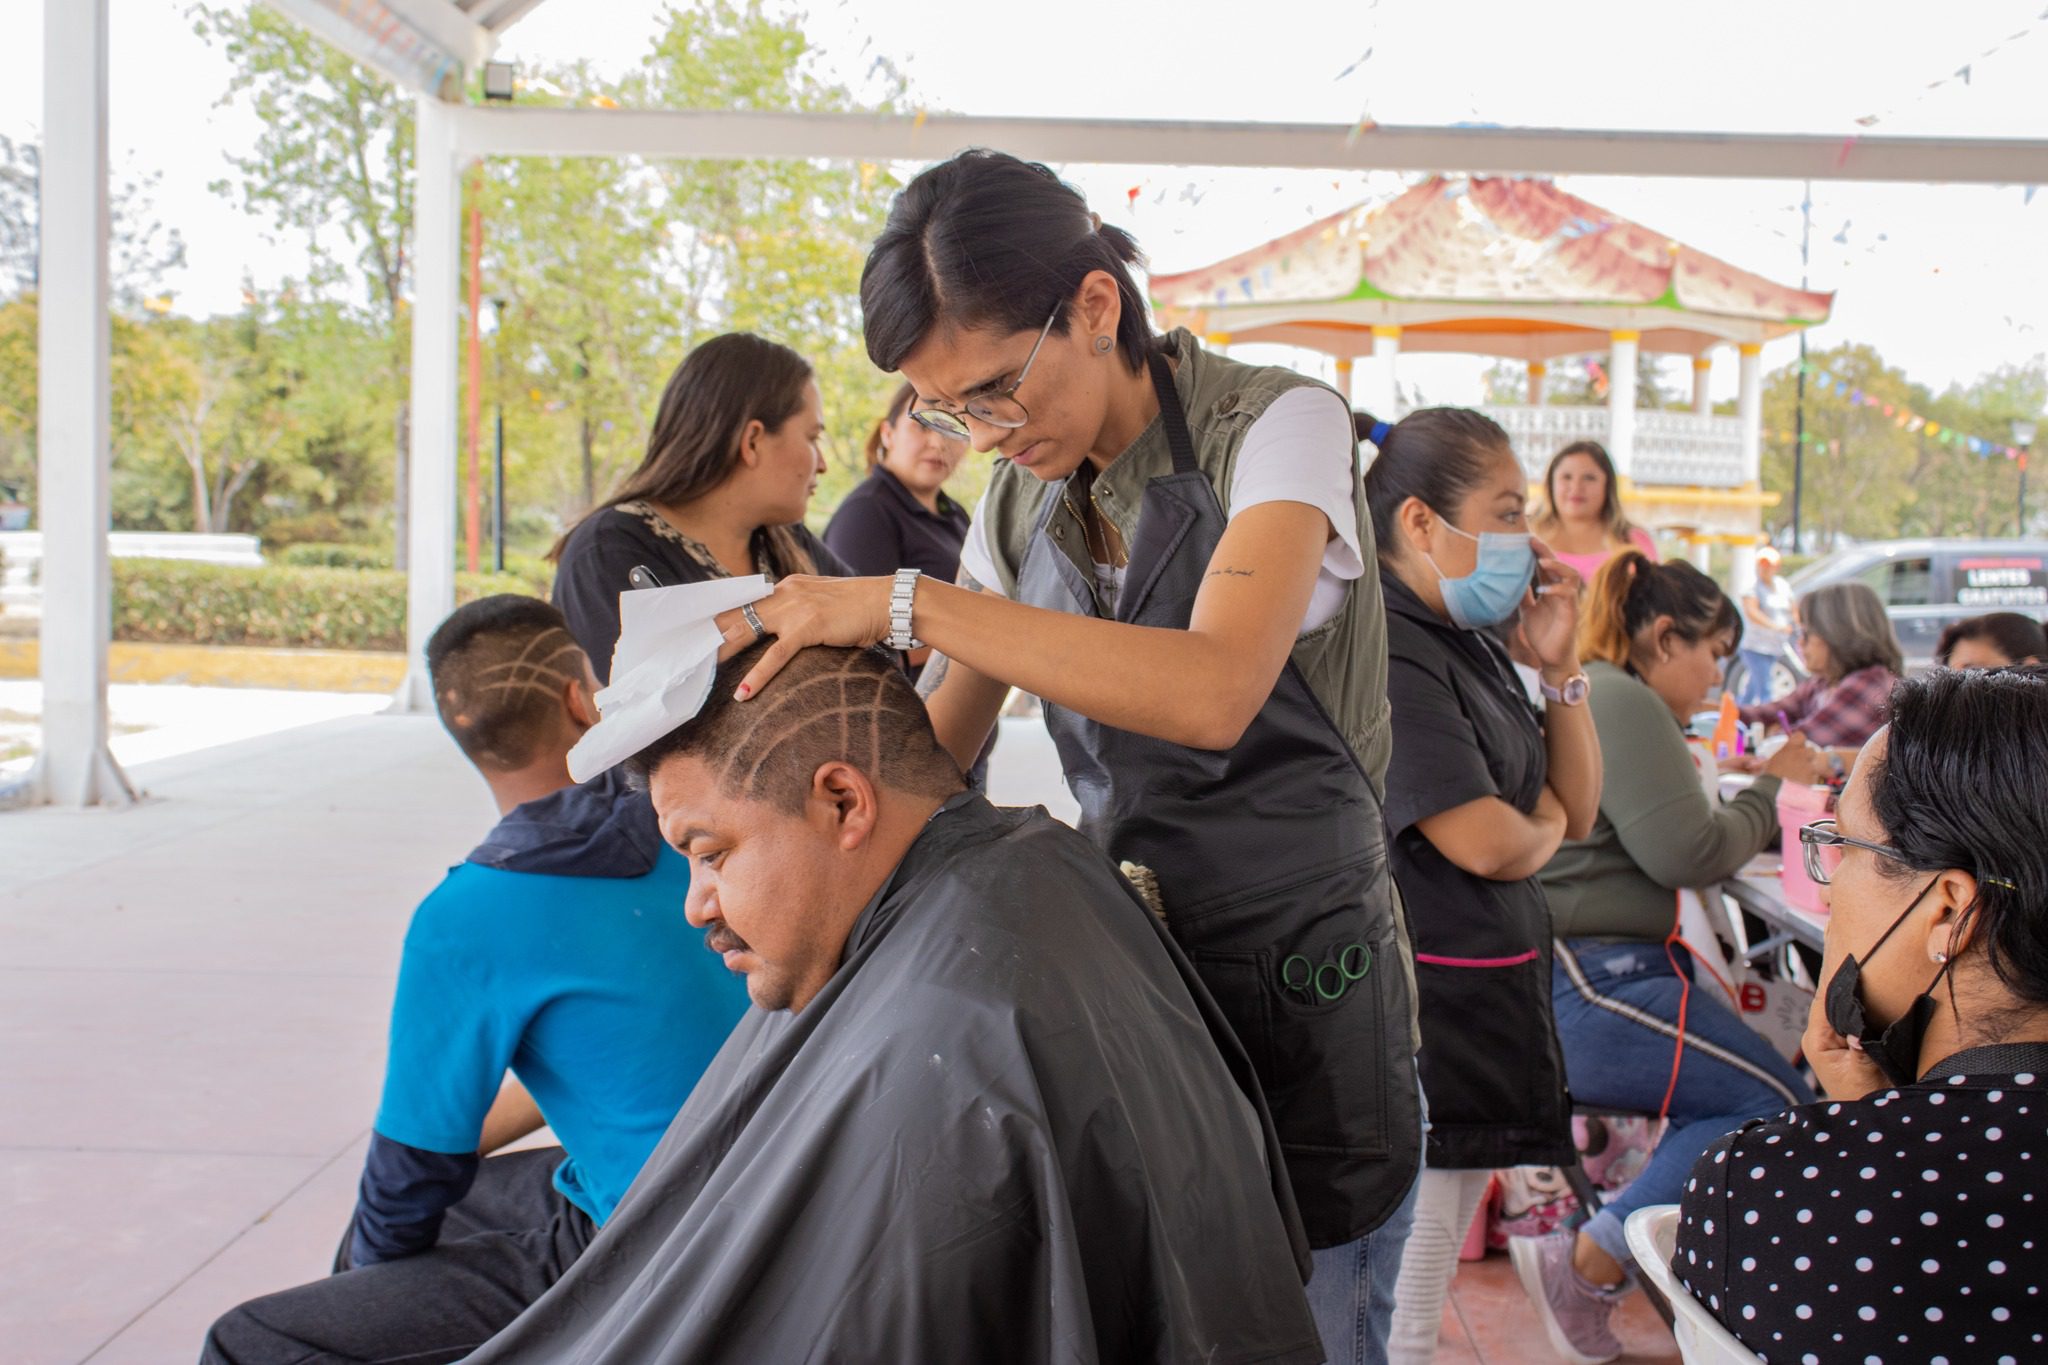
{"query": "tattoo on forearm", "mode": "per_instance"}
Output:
(1228, 572)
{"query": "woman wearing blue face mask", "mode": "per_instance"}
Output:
(1481, 791)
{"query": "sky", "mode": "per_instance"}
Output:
(1947, 282)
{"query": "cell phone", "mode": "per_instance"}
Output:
(640, 576)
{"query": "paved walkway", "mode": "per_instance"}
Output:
(192, 1007)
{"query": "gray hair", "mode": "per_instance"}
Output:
(1850, 620)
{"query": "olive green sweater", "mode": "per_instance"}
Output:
(1657, 831)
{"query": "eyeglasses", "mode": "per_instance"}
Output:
(1824, 846)
(999, 409)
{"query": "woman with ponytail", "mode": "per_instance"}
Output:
(1636, 1036)
(1481, 792)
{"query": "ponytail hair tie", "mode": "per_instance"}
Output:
(1378, 434)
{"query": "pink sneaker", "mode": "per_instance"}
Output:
(1574, 1313)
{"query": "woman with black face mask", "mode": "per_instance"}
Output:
(1902, 1219)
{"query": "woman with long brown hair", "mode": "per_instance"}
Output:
(731, 464)
(1581, 517)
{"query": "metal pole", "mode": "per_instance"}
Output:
(498, 494)
(475, 348)
(2023, 493)
(1799, 408)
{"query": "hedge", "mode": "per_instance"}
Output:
(171, 601)
(316, 554)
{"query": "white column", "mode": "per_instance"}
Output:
(1749, 410)
(1383, 397)
(74, 458)
(1621, 401)
(1344, 366)
(437, 270)
(1537, 369)
(1702, 367)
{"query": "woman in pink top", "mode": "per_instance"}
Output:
(1582, 520)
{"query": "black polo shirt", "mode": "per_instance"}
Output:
(1463, 730)
(881, 527)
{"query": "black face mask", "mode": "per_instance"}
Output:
(1896, 1049)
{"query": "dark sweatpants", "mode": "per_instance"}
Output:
(500, 1249)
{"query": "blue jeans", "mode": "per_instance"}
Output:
(1756, 678)
(1351, 1289)
(1617, 1012)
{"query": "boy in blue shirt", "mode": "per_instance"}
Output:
(558, 951)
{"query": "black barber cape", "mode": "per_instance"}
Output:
(1012, 1127)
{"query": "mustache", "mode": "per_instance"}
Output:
(720, 938)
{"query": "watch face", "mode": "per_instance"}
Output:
(1575, 689)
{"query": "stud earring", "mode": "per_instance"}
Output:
(1102, 345)
(1941, 958)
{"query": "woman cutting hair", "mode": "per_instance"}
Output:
(1173, 555)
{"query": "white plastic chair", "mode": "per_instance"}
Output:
(1653, 1239)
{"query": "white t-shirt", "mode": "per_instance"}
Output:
(1775, 600)
(1300, 449)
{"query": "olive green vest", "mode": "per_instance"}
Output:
(1343, 660)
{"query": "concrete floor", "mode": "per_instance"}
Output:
(192, 1009)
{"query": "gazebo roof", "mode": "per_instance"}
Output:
(1485, 265)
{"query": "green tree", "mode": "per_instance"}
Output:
(1859, 462)
(142, 248)
(334, 160)
(773, 247)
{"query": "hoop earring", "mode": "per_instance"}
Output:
(1102, 345)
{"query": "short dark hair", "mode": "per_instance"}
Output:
(2017, 637)
(827, 705)
(1436, 454)
(986, 240)
(1964, 784)
(498, 666)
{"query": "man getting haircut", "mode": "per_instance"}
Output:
(557, 952)
(986, 1111)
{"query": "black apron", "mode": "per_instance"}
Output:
(1270, 857)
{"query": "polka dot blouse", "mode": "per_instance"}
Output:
(1907, 1226)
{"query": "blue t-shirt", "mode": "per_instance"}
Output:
(594, 991)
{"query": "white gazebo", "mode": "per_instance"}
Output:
(433, 47)
(1520, 269)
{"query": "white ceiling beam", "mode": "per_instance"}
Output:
(448, 28)
(530, 131)
(499, 16)
(422, 76)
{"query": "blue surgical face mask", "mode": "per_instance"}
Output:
(1490, 593)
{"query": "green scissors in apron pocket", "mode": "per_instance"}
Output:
(1325, 984)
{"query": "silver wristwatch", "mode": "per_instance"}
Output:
(1571, 693)
(900, 636)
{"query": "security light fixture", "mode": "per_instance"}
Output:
(499, 79)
